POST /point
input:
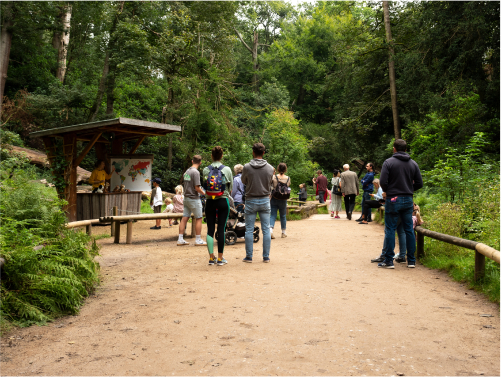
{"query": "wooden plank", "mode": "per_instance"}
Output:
(129, 232)
(138, 143)
(95, 205)
(86, 150)
(446, 238)
(488, 251)
(117, 231)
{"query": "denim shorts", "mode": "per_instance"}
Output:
(192, 206)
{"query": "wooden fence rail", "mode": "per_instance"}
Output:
(481, 250)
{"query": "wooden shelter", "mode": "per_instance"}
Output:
(107, 137)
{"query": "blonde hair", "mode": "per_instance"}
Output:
(179, 190)
(168, 200)
(376, 182)
(238, 168)
(301, 185)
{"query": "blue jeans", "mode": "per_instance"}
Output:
(402, 242)
(366, 196)
(401, 209)
(278, 205)
(252, 207)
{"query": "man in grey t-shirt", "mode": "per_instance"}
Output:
(192, 203)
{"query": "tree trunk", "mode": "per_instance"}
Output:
(61, 40)
(169, 120)
(5, 43)
(254, 60)
(393, 87)
(100, 91)
(110, 89)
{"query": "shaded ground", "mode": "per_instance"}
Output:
(319, 308)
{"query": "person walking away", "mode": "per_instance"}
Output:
(257, 176)
(376, 202)
(400, 178)
(303, 194)
(192, 202)
(335, 205)
(322, 186)
(169, 209)
(279, 195)
(218, 182)
(156, 200)
(367, 188)
(238, 191)
(349, 189)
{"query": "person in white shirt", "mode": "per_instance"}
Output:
(156, 200)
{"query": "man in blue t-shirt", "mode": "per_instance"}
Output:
(368, 188)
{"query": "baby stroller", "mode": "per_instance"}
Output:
(235, 226)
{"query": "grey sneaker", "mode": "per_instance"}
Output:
(411, 265)
(221, 262)
(399, 260)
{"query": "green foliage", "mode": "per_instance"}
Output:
(49, 270)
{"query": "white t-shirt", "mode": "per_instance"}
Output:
(157, 199)
(169, 208)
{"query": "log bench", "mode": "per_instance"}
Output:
(116, 220)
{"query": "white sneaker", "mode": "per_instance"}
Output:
(200, 243)
(284, 235)
(182, 243)
(272, 236)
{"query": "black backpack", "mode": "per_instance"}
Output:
(281, 191)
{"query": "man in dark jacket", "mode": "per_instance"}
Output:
(400, 177)
(257, 176)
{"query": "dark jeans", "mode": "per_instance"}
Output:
(321, 195)
(222, 206)
(366, 211)
(401, 208)
(301, 200)
(278, 205)
(367, 205)
(349, 203)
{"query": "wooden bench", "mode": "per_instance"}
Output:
(116, 220)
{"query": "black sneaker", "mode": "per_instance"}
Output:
(360, 219)
(399, 260)
(247, 260)
(377, 260)
(156, 227)
(348, 215)
(386, 265)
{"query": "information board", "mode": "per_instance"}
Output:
(132, 171)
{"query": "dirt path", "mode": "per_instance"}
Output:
(319, 308)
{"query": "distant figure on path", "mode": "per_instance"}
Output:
(400, 177)
(192, 203)
(156, 201)
(335, 205)
(278, 202)
(349, 188)
(321, 186)
(367, 188)
(238, 191)
(256, 176)
(303, 194)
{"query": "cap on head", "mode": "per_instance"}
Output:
(156, 180)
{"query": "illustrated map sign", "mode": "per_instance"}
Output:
(134, 173)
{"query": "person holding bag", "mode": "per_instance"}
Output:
(335, 205)
(279, 195)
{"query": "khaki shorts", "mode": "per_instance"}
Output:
(192, 206)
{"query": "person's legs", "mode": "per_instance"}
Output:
(210, 216)
(368, 205)
(250, 220)
(264, 215)
(273, 213)
(405, 212)
(390, 222)
(223, 207)
(368, 213)
(402, 242)
(347, 205)
(321, 196)
(283, 214)
(352, 202)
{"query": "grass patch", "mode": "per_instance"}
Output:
(101, 236)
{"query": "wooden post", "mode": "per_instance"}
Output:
(115, 210)
(70, 154)
(193, 232)
(129, 232)
(419, 246)
(88, 229)
(117, 231)
(479, 265)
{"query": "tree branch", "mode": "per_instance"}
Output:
(241, 39)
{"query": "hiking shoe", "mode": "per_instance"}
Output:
(377, 260)
(247, 260)
(411, 265)
(182, 243)
(212, 261)
(156, 227)
(200, 243)
(284, 235)
(386, 265)
(399, 260)
(266, 260)
(221, 262)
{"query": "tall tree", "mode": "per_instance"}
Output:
(61, 40)
(8, 14)
(391, 67)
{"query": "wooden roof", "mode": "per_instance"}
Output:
(123, 128)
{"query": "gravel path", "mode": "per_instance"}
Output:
(319, 308)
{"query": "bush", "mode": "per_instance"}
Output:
(49, 270)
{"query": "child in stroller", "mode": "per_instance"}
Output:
(235, 226)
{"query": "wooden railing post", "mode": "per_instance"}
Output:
(193, 233)
(419, 246)
(479, 265)
(88, 229)
(117, 231)
(129, 232)
(115, 210)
